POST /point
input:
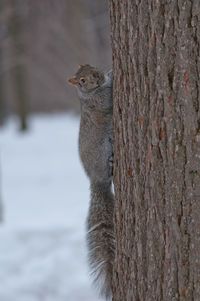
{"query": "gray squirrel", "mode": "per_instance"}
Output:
(96, 153)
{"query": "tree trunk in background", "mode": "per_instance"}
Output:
(2, 100)
(97, 29)
(19, 72)
(156, 48)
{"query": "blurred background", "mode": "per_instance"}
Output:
(41, 44)
(44, 193)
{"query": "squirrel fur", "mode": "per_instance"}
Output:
(96, 153)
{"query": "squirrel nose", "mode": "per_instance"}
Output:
(73, 81)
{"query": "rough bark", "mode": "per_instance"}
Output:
(156, 66)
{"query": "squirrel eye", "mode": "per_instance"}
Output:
(82, 80)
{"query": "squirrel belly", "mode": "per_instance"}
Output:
(96, 153)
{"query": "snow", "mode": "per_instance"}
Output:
(45, 198)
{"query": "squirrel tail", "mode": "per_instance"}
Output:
(100, 237)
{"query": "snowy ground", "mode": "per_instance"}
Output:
(45, 195)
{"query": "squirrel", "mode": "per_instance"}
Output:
(96, 153)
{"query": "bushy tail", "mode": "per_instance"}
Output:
(100, 236)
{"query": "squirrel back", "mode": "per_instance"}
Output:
(96, 153)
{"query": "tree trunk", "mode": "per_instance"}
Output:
(19, 71)
(2, 95)
(2, 100)
(156, 67)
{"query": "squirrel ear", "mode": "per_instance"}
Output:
(73, 81)
(95, 74)
(79, 66)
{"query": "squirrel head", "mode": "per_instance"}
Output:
(87, 78)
